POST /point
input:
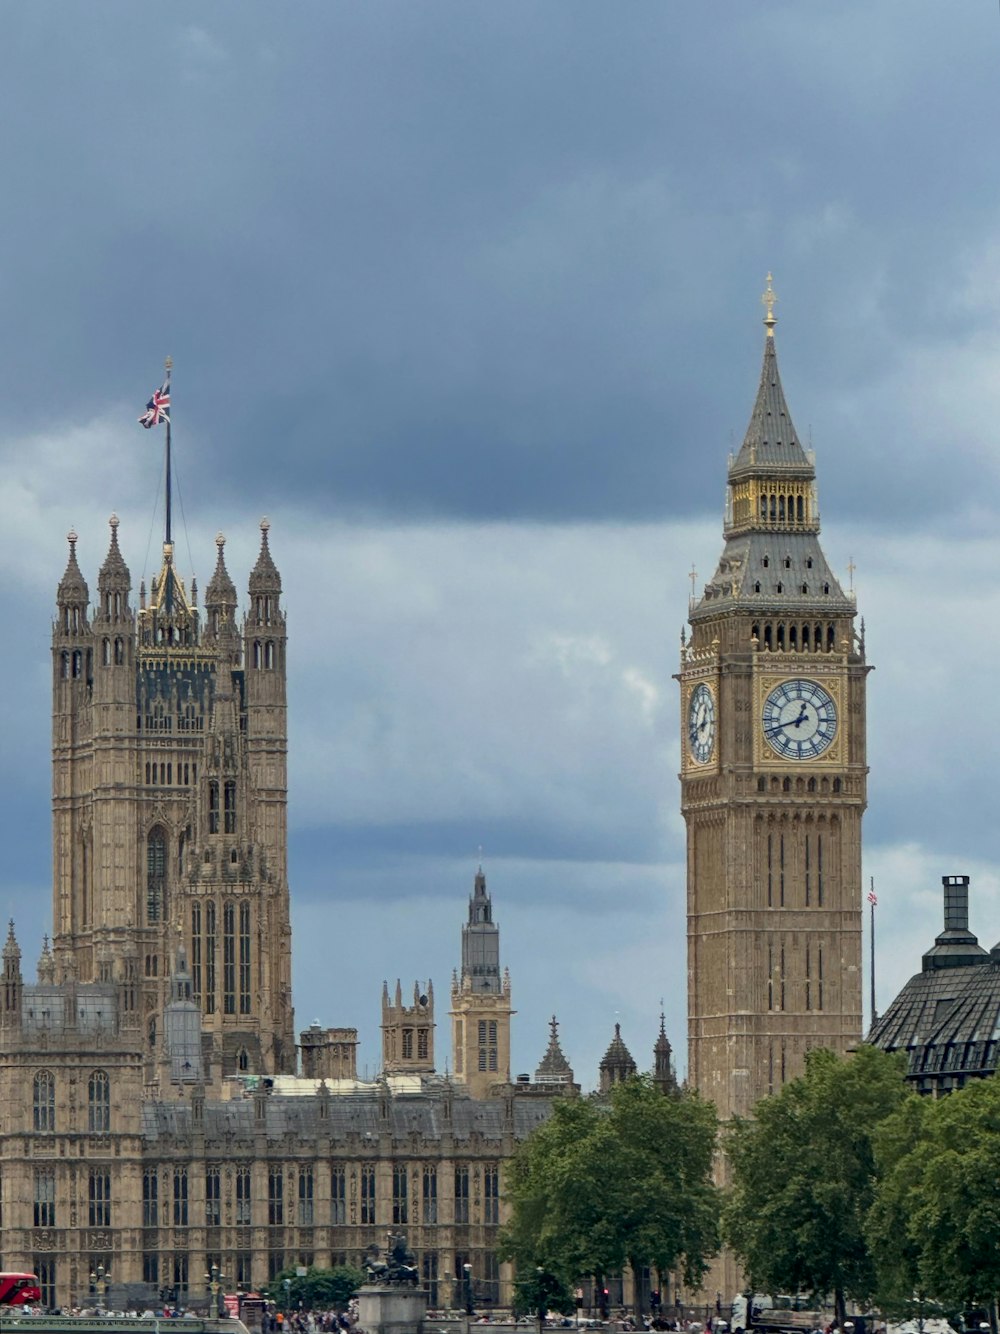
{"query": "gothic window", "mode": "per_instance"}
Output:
(213, 806)
(275, 1196)
(99, 1197)
(228, 959)
(269, 653)
(763, 507)
(213, 1195)
(119, 652)
(837, 785)
(786, 785)
(792, 637)
(756, 587)
(230, 813)
(423, 1044)
(491, 1193)
(819, 977)
(99, 1103)
(407, 1047)
(244, 958)
(150, 1197)
(45, 1271)
(368, 1192)
(461, 1194)
(256, 653)
(180, 1197)
(156, 876)
(338, 1196)
(151, 1268)
(400, 1206)
(812, 784)
(805, 588)
(762, 784)
(809, 562)
(788, 562)
(77, 664)
(196, 950)
(106, 652)
(808, 977)
(65, 667)
(765, 561)
(430, 1194)
(429, 1271)
(180, 1275)
(306, 1197)
(799, 514)
(210, 957)
(781, 630)
(781, 586)
(829, 638)
(243, 1196)
(774, 508)
(44, 1101)
(489, 1281)
(45, 1197)
(826, 588)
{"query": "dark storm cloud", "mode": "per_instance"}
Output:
(490, 260)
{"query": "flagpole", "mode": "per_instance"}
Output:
(168, 364)
(871, 904)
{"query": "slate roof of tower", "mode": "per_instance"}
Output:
(356, 1114)
(618, 1056)
(742, 566)
(771, 441)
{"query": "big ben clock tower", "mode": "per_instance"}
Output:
(773, 778)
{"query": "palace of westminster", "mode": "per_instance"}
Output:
(157, 1115)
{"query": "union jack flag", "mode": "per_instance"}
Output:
(158, 407)
(872, 898)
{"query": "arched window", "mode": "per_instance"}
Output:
(213, 806)
(243, 1060)
(829, 638)
(763, 507)
(781, 508)
(774, 508)
(805, 636)
(119, 652)
(767, 634)
(106, 652)
(781, 630)
(156, 875)
(837, 785)
(256, 653)
(269, 653)
(781, 586)
(765, 561)
(77, 664)
(786, 785)
(99, 1103)
(756, 587)
(762, 784)
(793, 636)
(44, 1100)
(812, 784)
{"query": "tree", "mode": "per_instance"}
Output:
(602, 1184)
(318, 1289)
(803, 1173)
(939, 1196)
(537, 1291)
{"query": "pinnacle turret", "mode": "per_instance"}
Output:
(264, 578)
(617, 1064)
(221, 591)
(554, 1068)
(73, 590)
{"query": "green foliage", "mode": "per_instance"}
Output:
(539, 1291)
(804, 1176)
(937, 1202)
(602, 1184)
(319, 1290)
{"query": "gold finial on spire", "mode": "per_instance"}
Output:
(768, 301)
(169, 363)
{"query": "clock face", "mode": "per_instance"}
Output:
(701, 723)
(799, 720)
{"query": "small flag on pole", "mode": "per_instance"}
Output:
(158, 407)
(872, 897)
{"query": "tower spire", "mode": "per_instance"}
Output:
(769, 300)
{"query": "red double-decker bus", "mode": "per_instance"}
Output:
(19, 1289)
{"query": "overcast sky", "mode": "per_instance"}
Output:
(465, 298)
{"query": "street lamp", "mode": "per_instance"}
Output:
(99, 1282)
(214, 1280)
(287, 1285)
(539, 1298)
(467, 1271)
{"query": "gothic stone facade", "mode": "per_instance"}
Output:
(151, 1120)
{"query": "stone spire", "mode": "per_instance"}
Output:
(554, 1068)
(221, 591)
(114, 568)
(264, 577)
(481, 942)
(73, 590)
(617, 1064)
(12, 981)
(46, 964)
(663, 1072)
(11, 953)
